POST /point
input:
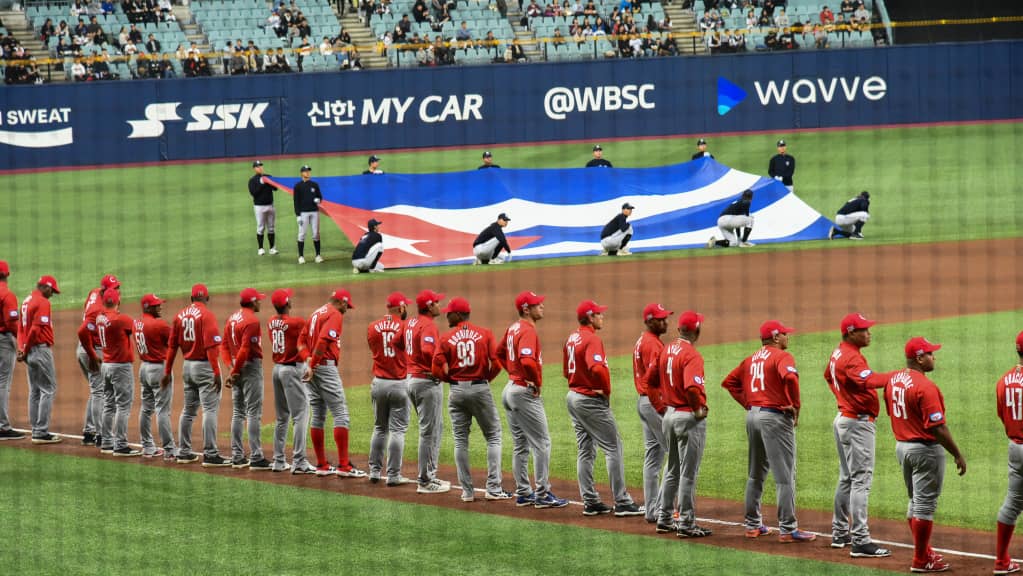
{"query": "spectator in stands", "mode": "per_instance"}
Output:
(77, 9)
(107, 6)
(254, 60)
(716, 18)
(63, 31)
(600, 27)
(135, 35)
(78, 71)
(420, 12)
(64, 49)
(714, 42)
(101, 67)
(283, 64)
(706, 23)
(751, 19)
(651, 24)
(463, 34)
(343, 38)
(861, 18)
(737, 42)
(181, 55)
(847, 7)
(787, 41)
(47, 30)
(354, 59)
(667, 46)
(273, 22)
(768, 6)
(234, 62)
(166, 11)
(827, 17)
(841, 26)
(771, 40)
(764, 21)
(781, 19)
(406, 25)
(639, 43)
(424, 56)
(225, 58)
(122, 38)
(326, 48)
(514, 53)
(590, 9)
(81, 29)
(438, 22)
(532, 11)
(820, 37)
(153, 45)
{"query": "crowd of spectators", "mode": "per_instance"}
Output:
(239, 59)
(783, 32)
(19, 66)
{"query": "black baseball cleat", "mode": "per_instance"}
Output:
(216, 461)
(665, 528)
(595, 509)
(694, 532)
(46, 439)
(11, 434)
(88, 439)
(260, 465)
(126, 452)
(623, 510)
(841, 541)
(869, 550)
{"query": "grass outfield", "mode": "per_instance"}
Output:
(66, 515)
(164, 228)
(967, 370)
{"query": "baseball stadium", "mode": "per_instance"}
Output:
(602, 287)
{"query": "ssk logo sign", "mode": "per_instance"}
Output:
(202, 118)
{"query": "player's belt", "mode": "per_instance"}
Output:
(424, 377)
(584, 392)
(855, 416)
(771, 410)
(292, 364)
(920, 441)
(204, 360)
(682, 408)
(470, 382)
(160, 363)
(327, 363)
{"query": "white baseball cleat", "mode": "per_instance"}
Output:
(624, 252)
(260, 252)
(274, 252)
(746, 244)
(301, 259)
(355, 270)
(319, 259)
(712, 242)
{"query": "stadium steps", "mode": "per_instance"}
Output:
(192, 32)
(524, 36)
(362, 37)
(684, 24)
(17, 24)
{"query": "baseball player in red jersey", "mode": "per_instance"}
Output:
(520, 354)
(389, 391)
(916, 409)
(243, 352)
(287, 343)
(424, 389)
(35, 349)
(678, 382)
(91, 370)
(8, 351)
(152, 334)
(195, 333)
(325, 388)
(854, 385)
(767, 385)
(1009, 394)
(644, 360)
(584, 365)
(114, 332)
(467, 358)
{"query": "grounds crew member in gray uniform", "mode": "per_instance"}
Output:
(520, 354)
(584, 365)
(307, 198)
(291, 400)
(782, 166)
(644, 360)
(425, 390)
(735, 223)
(617, 233)
(467, 359)
(854, 385)
(488, 245)
(367, 253)
(766, 384)
(701, 150)
(389, 391)
(243, 353)
(263, 205)
(1010, 412)
(916, 410)
(851, 217)
(152, 334)
(8, 351)
(35, 349)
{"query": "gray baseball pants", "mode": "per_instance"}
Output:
(854, 438)
(685, 436)
(247, 405)
(1013, 504)
(42, 386)
(427, 398)
(728, 225)
(266, 218)
(8, 353)
(613, 242)
(653, 458)
(527, 420)
(595, 427)
(486, 251)
(470, 400)
(847, 222)
(366, 263)
(118, 394)
(923, 471)
(390, 422)
(290, 400)
(772, 446)
(327, 393)
(308, 222)
(155, 398)
(95, 404)
(198, 387)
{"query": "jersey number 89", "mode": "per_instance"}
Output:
(277, 341)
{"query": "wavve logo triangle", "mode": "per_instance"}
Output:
(729, 96)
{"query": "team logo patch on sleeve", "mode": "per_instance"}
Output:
(217, 339)
(90, 327)
(598, 358)
(526, 352)
(865, 373)
(698, 380)
(254, 339)
(14, 313)
(792, 369)
(428, 339)
(44, 319)
(936, 417)
(332, 333)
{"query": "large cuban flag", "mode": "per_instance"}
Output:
(432, 219)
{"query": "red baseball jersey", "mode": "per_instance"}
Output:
(386, 339)
(679, 371)
(470, 354)
(1010, 403)
(243, 336)
(915, 405)
(285, 333)
(644, 359)
(114, 334)
(853, 382)
(195, 332)
(36, 323)
(93, 307)
(768, 379)
(421, 339)
(521, 355)
(584, 363)
(151, 337)
(8, 310)
(324, 328)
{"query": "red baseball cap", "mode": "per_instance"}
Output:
(919, 345)
(342, 295)
(397, 299)
(527, 298)
(111, 295)
(855, 321)
(4, 268)
(458, 304)
(49, 281)
(110, 281)
(200, 291)
(690, 320)
(772, 328)
(1019, 342)
(281, 297)
(249, 295)
(587, 308)
(427, 298)
(655, 311)
(151, 300)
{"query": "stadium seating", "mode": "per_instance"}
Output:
(801, 10)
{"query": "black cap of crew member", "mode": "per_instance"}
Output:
(747, 194)
(373, 158)
(503, 216)
(306, 168)
(628, 206)
(701, 142)
(256, 163)
(487, 154)
(597, 147)
(865, 194)
(373, 223)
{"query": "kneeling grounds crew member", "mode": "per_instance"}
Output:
(735, 223)
(617, 233)
(367, 253)
(851, 217)
(488, 245)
